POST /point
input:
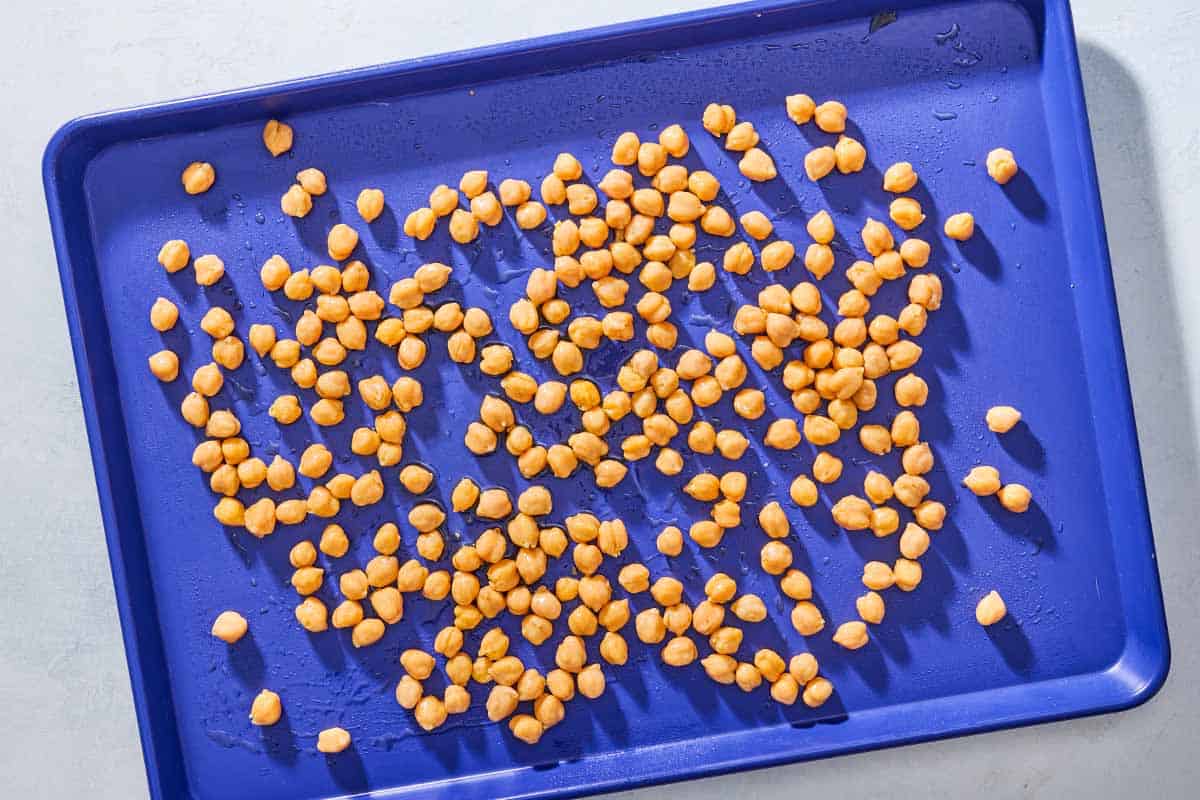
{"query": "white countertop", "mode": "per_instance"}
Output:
(69, 727)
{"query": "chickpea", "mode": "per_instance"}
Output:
(296, 202)
(727, 514)
(720, 668)
(875, 439)
(803, 491)
(731, 444)
(911, 390)
(852, 513)
(266, 708)
(1001, 167)
(775, 557)
(906, 213)
(718, 119)
(625, 149)
(960, 226)
(782, 434)
(800, 108)
(819, 162)
(888, 265)
(1002, 419)
(164, 365)
(749, 608)
(679, 652)
(553, 190)
(991, 609)
(819, 260)
(430, 713)
(907, 574)
(726, 640)
(198, 177)
(849, 155)
(807, 618)
(757, 165)
(830, 116)
(1013, 497)
(464, 228)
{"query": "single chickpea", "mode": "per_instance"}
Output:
(731, 444)
(907, 214)
(819, 162)
(749, 608)
(312, 180)
(1001, 165)
(796, 585)
(726, 640)
(819, 260)
(777, 255)
(870, 607)
(716, 221)
(849, 155)
(334, 542)
(430, 712)
(775, 557)
(800, 108)
(899, 177)
(782, 434)
(875, 439)
(720, 668)
(910, 490)
(914, 252)
(757, 165)
(960, 226)
(625, 149)
(991, 609)
(198, 177)
(341, 241)
(1013, 497)
(679, 652)
(876, 237)
(229, 626)
(464, 228)
(706, 533)
(164, 365)
(907, 574)
(747, 677)
(194, 410)
(983, 481)
(296, 202)
(852, 513)
(266, 709)
(803, 491)
(830, 116)
(669, 541)
(718, 119)
(1002, 419)
(370, 204)
(803, 667)
(174, 255)
(443, 200)
(851, 635)
(911, 390)
(807, 618)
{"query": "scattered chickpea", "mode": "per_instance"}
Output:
(266, 709)
(830, 116)
(679, 652)
(174, 255)
(1001, 165)
(870, 607)
(849, 155)
(899, 177)
(807, 618)
(1002, 419)
(991, 609)
(370, 204)
(983, 480)
(851, 635)
(960, 226)
(800, 108)
(198, 177)
(819, 162)
(1015, 497)
(229, 627)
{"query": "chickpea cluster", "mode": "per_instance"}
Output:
(641, 222)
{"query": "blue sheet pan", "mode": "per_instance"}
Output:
(1029, 319)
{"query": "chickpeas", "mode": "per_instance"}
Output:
(830, 116)
(266, 709)
(990, 609)
(960, 226)
(1015, 497)
(775, 557)
(1001, 165)
(819, 162)
(679, 652)
(851, 635)
(198, 177)
(983, 481)
(1002, 419)
(229, 627)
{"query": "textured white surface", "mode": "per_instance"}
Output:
(70, 729)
